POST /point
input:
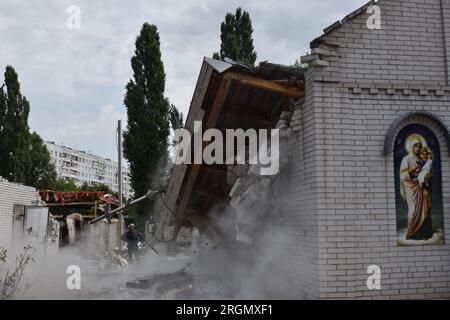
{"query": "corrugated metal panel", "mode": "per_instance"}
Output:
(219, 66)
(11, 194)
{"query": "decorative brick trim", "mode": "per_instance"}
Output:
(395, 89)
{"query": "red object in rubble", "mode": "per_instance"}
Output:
(50, 196)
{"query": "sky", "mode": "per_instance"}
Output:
(75, 78)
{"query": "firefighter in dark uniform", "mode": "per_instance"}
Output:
(132, 237)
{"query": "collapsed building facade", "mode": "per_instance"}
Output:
(74, 209)
(367, 103)
(227, 97)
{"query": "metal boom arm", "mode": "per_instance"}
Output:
(150, 195)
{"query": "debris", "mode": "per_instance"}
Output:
(110, 260)
(237, 188)
(162, 282)
(142, 283)
(240, 170)
(231, 177)
(119, 260)
(251, 189)
(281, 124)
(241, 237)
(286, 116)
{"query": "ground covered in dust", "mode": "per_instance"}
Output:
(210, 274)
(101, 276)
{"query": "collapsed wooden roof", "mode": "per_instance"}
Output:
(227, 96)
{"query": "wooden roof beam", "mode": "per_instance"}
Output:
(215, 168)
(268, 85)
(194, 211)
(211, 193)
(264, 120)
(212, 119)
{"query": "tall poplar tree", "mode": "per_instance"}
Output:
(23, 156)
(236, 38)
(15, 160)
(149, 113)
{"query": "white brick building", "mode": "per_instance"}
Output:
(83, 167)
(13, 195)
(363, 87)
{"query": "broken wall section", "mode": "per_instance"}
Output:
(276, 214)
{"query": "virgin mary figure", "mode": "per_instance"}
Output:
(416, 194)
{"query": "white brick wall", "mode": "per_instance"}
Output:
(296, 203)
(357, 224)
(341, 216)
(409, 45)
(408, 53)
(11, 194)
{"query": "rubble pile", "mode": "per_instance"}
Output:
(181, 285)
(162, 284)
(109, 260)
(251, 191)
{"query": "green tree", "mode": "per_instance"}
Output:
(236, 38)
(15, 159)
(64, 185)
(145, 140)
(97, 187)
(175, 117)
(23, 156)
(42, 172)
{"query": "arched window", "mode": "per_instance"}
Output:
(418, 186)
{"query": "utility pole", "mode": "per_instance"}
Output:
(119, 147)
(119, 176)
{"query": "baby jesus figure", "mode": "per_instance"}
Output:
(426, 163)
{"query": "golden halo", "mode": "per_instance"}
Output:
(412, 139)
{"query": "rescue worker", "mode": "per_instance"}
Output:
(132, 237)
